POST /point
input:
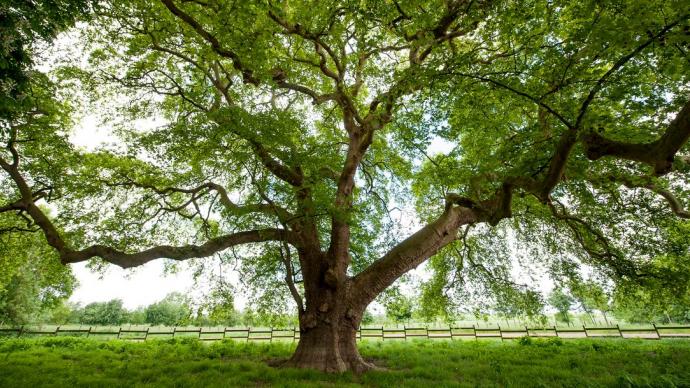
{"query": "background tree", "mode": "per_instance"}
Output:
(109, 313)
(173, 310)
(592, 296)
(568, 124)
(562, 302)
(398, 306)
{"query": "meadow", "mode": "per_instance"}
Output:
(187, 362)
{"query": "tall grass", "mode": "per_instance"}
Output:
(78, 362)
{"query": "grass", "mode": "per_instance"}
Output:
(80, 362)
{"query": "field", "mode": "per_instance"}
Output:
(186, 362)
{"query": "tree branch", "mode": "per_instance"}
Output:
(214, 245)
(659, 154)
(409, 253)
(247, 74)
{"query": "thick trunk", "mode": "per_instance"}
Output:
(328, 325)
(330, 345)
(318, 348)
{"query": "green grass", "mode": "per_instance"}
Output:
(79, 362)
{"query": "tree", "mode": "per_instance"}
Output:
(592, 296)
(562, 302)
(291, 131)
(32, 281)
(173, 310)
(398, 306)
(23, 24)
(220, 307)
(109, 313)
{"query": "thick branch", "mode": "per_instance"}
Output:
(126, 260)
(410, 253)
(659, 154)
(283, 172)
(214, 245)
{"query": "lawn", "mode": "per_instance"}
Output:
(78, 362)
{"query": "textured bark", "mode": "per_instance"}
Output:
(328, 343)
(318, 349)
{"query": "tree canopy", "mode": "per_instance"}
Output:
(294, 137)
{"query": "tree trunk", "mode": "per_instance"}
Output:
(319, 348)
(329, 345)
(329, 322)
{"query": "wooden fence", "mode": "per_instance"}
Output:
(372, 333)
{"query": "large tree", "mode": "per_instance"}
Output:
(294, 128)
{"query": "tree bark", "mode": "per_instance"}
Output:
(329, 322)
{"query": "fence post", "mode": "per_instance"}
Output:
(21, 331)
(555, 330)
(474, 331)
(658, 336)
(620, 333)
(57, 329)
(584, 328)
(88, 333)
(119, 331)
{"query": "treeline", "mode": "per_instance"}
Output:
(173, 310)
(583, 301)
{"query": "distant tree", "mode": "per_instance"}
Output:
(220, 308)
(136, 316)
(103, 313)
(367, 318)
(592, 296)
(173, 310)
(642, 305)
(398, 306)
(562, 302)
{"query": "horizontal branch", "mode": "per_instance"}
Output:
(659, 154)
(210, 247)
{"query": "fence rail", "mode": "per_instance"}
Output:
(134, 333)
